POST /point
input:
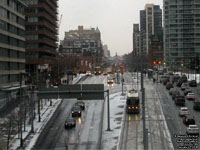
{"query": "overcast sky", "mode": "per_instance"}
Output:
(114, 18)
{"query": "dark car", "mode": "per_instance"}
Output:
(76, 111)
(193, 83)
(188, 120)
(184, 78)
(166, 80)
(175, 78)
(175, 93)
(169, 86)
(196, 105)
(69, 123)
(187, 90)
(171, 91)
(81, 104)
(180, 100)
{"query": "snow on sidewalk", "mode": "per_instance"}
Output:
(110, 139)
(46, 114)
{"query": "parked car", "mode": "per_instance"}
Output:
(190, 96)
(192, 130)
(184, 78)
(187, 90)
(169, 86)
(170, 73)
(171, 91)
(175, 78)
(188, 120)
(184, 86)
(179, 83)
(165, 81)
(183, 111)
(175, 93)
(180, 100)
(81, 104)
(162, 78)
(76, 111)
(196, 105)
(69, 123)
(193, 83)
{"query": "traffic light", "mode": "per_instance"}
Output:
(182, 63)
(159, 62)
(154, 62)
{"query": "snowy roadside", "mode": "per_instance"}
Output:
(46, 114)
(110, 139)
(31, 138)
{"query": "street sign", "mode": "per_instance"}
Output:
(79, 91)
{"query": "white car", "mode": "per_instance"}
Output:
(190, 96)
(88, 73)
(184, 86)
(183, 111)
(192, 129)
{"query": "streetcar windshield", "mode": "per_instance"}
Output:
(132, 101)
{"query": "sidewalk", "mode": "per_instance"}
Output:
(31, 138)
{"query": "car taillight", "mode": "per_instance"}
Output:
(186, 120)
(129, 107)
(79, 112)
(132, 107)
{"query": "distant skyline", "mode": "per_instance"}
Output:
(114, 18)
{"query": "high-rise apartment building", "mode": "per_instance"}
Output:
(150, 24)
(41, 33)
(181, 30)
(136, 40)
(12, 48)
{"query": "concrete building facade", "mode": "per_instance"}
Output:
(83, 42)
(136, 40)
(12, 49)
(181, 31)
(41, 34)
(150, 24)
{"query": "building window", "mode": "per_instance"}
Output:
(3, 25)
(3, 65)
(4, 52)
(4, 79)
(12, 29)
(13, 4)
(13, 17)
(20, 21)
(3, 39)
(3, 2)
(3, 13)
(32, 19)
(32, 37)
(13, 41)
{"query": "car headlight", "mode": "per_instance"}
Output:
(79, 112)
(129, 107)
(72, 112)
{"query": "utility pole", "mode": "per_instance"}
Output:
(145, 131)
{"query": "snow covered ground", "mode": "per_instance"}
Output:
(110, 139)
(46, 114)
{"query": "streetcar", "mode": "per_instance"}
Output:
(133, 102)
